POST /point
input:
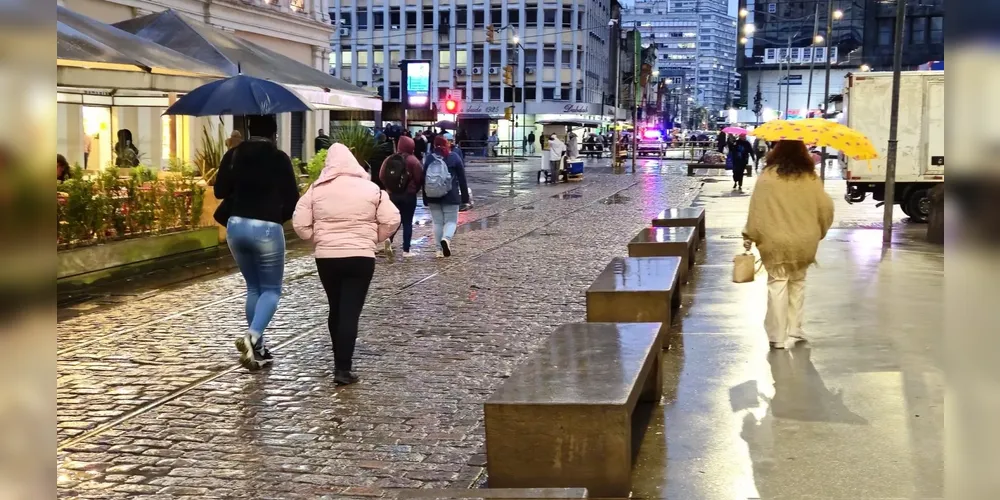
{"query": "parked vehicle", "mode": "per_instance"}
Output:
(920, 150)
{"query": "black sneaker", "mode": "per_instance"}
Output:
(345, 377)
(446, 247)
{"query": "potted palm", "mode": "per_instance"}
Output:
(207, 160)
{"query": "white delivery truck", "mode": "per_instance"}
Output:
(920, 150)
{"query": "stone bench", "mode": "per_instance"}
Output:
(493, 493)
(565, 418)
(713, 166)
(666, 242)
(636, 290)
(683, 217)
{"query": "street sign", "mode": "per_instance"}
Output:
(416, 83)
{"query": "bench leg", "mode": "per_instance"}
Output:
(652, 390)
(701, 229)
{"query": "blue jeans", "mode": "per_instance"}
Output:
(259, 250)
(445, 219)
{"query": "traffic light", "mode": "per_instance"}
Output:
(491, 33)
(508, 113)
(451, 106)
(508, 75)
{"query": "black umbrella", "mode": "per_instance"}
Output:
(238, 95)
(446, 124)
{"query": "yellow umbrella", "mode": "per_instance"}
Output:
(819, 132)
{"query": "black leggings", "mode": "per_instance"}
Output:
(407, 205)
(346, 282)
(738, 171)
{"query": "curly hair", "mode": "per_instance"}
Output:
(791, 159)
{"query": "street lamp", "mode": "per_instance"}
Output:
(866, 68)
(514, 39)
(744, 40)
(818, 39)
(749, 29)
(838, 15)
(744, 12)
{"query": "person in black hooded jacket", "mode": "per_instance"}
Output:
(259, 188)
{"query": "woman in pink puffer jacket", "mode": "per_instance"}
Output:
(345, 215)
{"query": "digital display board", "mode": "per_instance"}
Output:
(418, 83)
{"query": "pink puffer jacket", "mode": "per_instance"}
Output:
(344, 213)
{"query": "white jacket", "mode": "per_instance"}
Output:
(556, 149)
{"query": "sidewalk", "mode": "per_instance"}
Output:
(855, 413)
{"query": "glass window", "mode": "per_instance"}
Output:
(333, 60)
(885, 31)
(937, 29)
(494, 57)
(548, 93)
(550, 17)
(550, 57)
(363, 19)
(428, 18)
(918, 30)
(496, 17)
(394, 91)
(345, 19)
(345, 58)
(477, 55)
(378, 18)
(478, 18)
(394, 17)
(530, 93)
(444, 58)
(461, 17)
(531, 17)
(477, 93)
(567, 57)
(394, 58)
(362, 59)
(494, 93)
(567, 19)
(530, 56)
(461, 58)
(378, 57)
(513, 16)
(411, 19)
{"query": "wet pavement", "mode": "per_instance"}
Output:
(151, 400)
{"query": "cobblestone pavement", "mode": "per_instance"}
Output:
(151, 401)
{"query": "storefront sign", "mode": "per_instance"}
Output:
(481, 108)
(417, 81)
(554, 108)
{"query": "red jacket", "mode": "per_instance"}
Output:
(406, 147)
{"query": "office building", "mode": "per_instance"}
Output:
(560, 53)
(696, 47)
(923, 33)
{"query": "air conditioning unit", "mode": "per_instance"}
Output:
(345, 31)
(477, 71)
(395, 27)
(530, 70)
(460, 71)
(494, 71)
(376, 71)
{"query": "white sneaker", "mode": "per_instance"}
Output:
(798, 337)
(407, 254)
(439, 254)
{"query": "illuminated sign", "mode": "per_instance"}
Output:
(417, 78)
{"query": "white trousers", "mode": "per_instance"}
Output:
(786, 295)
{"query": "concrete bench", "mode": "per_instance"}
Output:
(565, 418)
(713, 166)
(493, 493)
(683, 217)
(636, 290)
(666, 242)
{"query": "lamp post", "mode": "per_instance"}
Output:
(831, 15)
(890, 157)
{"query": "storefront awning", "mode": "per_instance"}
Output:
(82, 42)
(233, 55)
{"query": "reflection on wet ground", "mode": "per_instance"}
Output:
(567, 196)
(484, 223)
(616, 199)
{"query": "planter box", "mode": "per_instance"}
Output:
(107, 256)
(208, 211)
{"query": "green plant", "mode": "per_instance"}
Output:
(209, 156)
(142, 174)
(315, 166)
(360, 141)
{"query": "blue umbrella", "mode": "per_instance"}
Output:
(238, 95)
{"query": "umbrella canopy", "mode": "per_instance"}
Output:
(818, 132)
(87, 43)
(446, 124)
(735, 130)
(238, 95)
(233, 55)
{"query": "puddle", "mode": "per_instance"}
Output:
(479, 225)
(567, 196)
(616, 199)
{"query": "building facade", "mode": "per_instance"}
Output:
(560, 53)
(696, 47)
(298, 29)
(923, 33)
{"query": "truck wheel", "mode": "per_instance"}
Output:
(918, 206)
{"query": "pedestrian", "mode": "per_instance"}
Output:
(383, 148)
(573, 146)
(258, 187)
(403, 175)
(126, 154)
(62, 169)
(444, 190)
(345, 217)
(531, 142)
(88, 144)
(430, 135)
(322, 142)
(740, 153)
(790, 213)
(420, 146)
(556, 152)
(493, 142)
(455, 147)
(235, 139)
(760, 148)
(720, 141)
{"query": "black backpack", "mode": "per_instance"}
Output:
(397, 177)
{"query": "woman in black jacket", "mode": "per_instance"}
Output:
(258, 184)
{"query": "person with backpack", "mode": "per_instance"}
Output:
(445, 189)
(760, 147)
(345, 216)
(740, 153)
(420, 143)
(402, 175)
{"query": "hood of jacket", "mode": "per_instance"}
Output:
(340, 162)
(406, 145)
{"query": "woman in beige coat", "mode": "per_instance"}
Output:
(789, 214)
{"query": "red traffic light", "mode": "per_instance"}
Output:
(451, 105)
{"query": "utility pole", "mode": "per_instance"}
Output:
(788, 76)
(890, 159)
(826, 92)
(637, 85)
(812, 59)
(616, 46)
